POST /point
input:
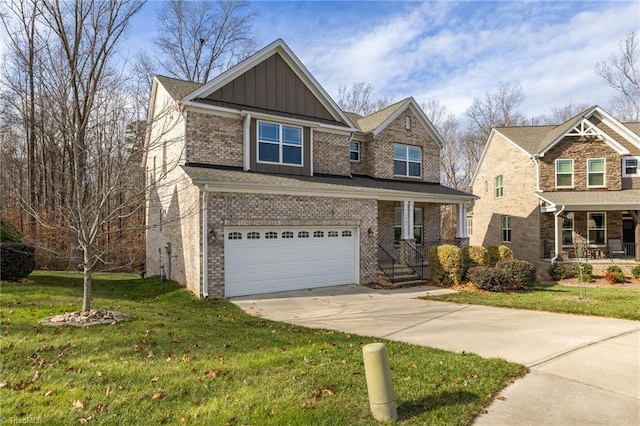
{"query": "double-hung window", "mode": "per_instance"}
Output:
(597, 228)
(279, 144)
(506, 229)
(417, 225)
(499, 186)
(564, 173)
(630, 167)
(407, 160)
(354, 151)
(567, 230)
(595, 172)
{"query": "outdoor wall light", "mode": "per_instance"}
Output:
(370, 232)
(212, 236)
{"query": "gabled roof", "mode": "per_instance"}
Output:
(178, 89)
(537, 140)
(379, 120)
(281, 48)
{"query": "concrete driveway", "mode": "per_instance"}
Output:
(583, 370)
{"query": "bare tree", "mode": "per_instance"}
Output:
(202, 38)
(560, 114)
(357, 99)
(622, 72)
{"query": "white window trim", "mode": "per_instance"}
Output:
(604, 221)
(573, 226)
(604, 173)
(407, 161)
(280, 144)
(624, 168)
(555, 174)
(357, 151)
(496, 187)
(509, 228)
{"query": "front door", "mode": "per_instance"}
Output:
(628, 236)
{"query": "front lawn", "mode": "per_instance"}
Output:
(605, 302)
(184, 361)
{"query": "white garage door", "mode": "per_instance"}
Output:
(268, 259)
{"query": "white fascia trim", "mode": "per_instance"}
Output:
(607, 139)
(235, 113)
(546, 209)
(356, 192)
(278, 46)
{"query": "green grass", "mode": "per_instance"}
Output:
(180, 360)
(605, 302)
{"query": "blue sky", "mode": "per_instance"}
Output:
(452, 51)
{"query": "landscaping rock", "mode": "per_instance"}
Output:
(85, 318)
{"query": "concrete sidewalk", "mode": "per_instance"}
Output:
(583, 370)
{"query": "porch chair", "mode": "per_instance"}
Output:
(615, 248)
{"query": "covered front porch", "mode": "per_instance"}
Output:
(594, 226)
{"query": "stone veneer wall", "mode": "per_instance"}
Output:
(235, 209)
(331, 153)
(379, 155)
(213, 139)
(579, 150)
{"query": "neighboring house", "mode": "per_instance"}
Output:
(260, 182)
(561, 191)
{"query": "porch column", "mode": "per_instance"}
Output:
(635, 214)
(461, 225)
(406, 235)
(557, 235)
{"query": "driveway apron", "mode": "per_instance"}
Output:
(583, 370)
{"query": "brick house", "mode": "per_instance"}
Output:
(259, 182)
(561, 191)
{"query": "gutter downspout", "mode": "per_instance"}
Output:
(205, 243)
(246, 141)
(535, 161)
(555, 235)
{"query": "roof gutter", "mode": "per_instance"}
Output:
(205, 243)
(537, 164)
(555, 236)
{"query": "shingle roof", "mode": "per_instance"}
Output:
(177, 88)
(371, 122)
(364, 186)
(591, 200)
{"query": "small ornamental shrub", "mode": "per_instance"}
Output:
(505, 252)
(17, 261)
(446, 264)
(556, 271)
(521, 273)
(635, 271)
(614, 277)
(476, 256)
(494, 255)
(489, 278)
(614, 268)
(587, 271)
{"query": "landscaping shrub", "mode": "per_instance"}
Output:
(9, 233)
(446, 264)
(614, 269)
(556, 271)
(587, 271)
(521, 273)
(505, 252)
(635, 271)
(475, 256)
(17, 261)
(614, 277)
(494, 255)
(489, 278)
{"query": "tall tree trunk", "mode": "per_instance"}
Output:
(88, 271)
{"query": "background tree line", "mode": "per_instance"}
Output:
(73, 116)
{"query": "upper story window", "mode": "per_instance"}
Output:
(354, 151)
(595, 172)
(498, 184)
(407, 160)
(630, 167)
(279, 144)
(564, 173)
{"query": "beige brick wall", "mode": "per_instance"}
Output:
(386, 221)
(213, 139)
(579, 150)
(519, 200)
(331, 153)
(379, 151)
(235, 209)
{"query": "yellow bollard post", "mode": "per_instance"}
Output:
(382, 399)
